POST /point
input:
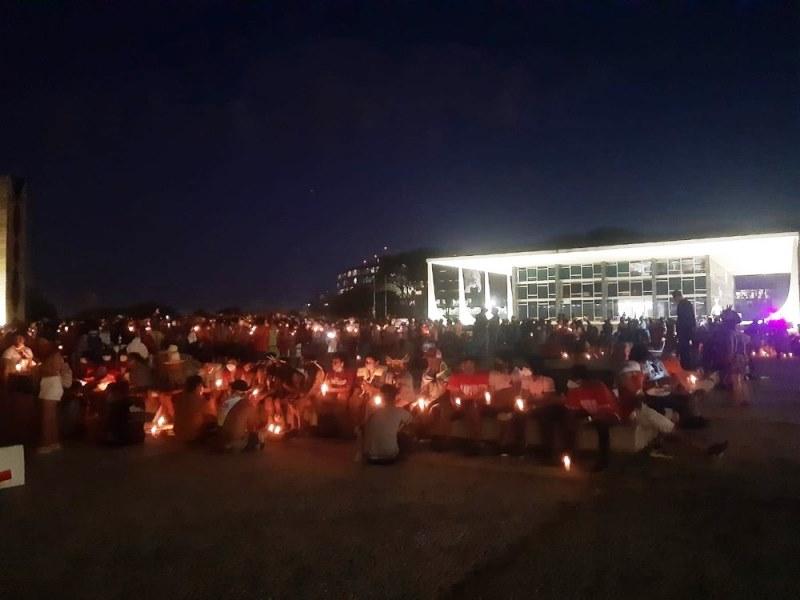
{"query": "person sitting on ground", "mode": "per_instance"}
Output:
(339, 380)
(435, 377)
(590, 401)
(194, 412)
(468, 397)
(369, 380)
(631, 383)
(504, 384)
(400, 377)
(238, 420)
(378, 437)
(538, 399)
(662, 392)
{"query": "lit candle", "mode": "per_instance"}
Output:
(567, 462)
(218, 382)
(161, 421)
(488, 397)
(324, 388)
(520, 404)
(377, 400)
(564, 355)
(458, 401)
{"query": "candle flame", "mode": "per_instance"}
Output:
(458, 401)
(218, 382)
(567, 462)
(324, 388)
(520, 404)
(377, 400)
(488, 397)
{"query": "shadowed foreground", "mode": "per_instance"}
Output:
(302, 520)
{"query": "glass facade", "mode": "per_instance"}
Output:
(633, 288)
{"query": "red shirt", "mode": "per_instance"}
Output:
(469, 386)
(594, 397)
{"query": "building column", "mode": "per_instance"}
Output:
(433, 310)
(510, 294)
(604, 299)
(463, 312)
(487, 293)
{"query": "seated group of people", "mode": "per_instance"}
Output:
(653, 394)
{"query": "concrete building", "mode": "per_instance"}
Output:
(628, 279)
(13, 248)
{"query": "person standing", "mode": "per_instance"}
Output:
(55, 374)
(685, 328)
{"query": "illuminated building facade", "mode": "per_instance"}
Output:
(13, 246)
(623, 280)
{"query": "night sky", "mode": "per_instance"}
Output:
(210, 154)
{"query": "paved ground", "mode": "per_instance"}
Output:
(302, 520)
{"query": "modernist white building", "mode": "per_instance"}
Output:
(630, 279)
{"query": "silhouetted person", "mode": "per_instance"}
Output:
(685, 328)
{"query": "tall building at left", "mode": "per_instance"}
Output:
(13, 248)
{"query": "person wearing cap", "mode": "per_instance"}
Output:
(378, 441)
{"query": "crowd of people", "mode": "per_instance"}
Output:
(235, 382)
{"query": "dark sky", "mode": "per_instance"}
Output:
(241, 153)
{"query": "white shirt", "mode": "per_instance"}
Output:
(138, 347)
(226, 408)
(498, 380)
(380, 432)
(51, 388)
(537, 385)
(15, 354)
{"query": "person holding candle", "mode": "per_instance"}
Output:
(590, 401)
(379, 437)
(468, 390)
(18, 354)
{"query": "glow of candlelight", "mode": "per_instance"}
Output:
(520, 404)
(567, 462)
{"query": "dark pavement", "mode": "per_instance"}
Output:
(303, 520)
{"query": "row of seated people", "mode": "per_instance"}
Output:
(285, 399)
